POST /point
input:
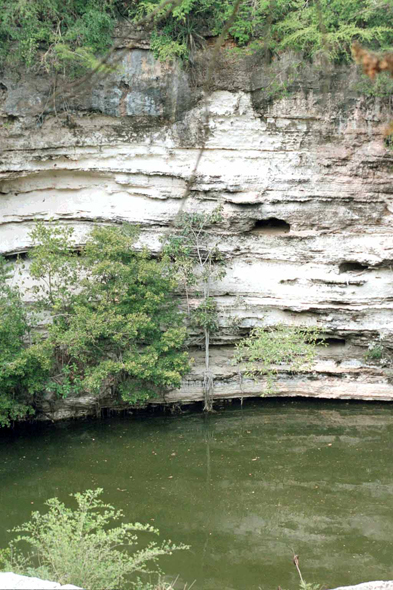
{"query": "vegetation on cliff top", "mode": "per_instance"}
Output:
(66, 36)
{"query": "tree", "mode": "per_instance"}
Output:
(86, 546)
(115, 324)
(197, 261)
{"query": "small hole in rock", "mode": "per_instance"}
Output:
(388, 141)
(333, 341)
(271, 226)
(14, 256)
(352, 267)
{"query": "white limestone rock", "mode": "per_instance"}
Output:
(387, 585)
(10, 581)
(314, 159)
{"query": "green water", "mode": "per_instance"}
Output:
(244, 487)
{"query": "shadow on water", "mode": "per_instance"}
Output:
(245, 486)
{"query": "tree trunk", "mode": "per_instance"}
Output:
(208, 377)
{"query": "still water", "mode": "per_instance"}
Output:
(245, 487)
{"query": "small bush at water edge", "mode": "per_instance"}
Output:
(79, 547)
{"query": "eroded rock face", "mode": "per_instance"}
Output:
(305, 180)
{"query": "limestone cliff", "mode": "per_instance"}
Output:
(301, 168)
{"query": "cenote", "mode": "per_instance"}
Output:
(246, 487)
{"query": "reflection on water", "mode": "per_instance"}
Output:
(244, 487)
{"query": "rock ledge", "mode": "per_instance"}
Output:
(10, 581)
(379, 585)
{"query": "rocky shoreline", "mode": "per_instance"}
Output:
(10, 581)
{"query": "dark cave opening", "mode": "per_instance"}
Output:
(271, 226)
(333, 341)
(352, 266)
(14, 256)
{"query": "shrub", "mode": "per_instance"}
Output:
(375, 352)
(266, 349)
(86, 546)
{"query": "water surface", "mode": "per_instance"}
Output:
(245, 487)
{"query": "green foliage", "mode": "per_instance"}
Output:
(375, 352)
(205, 316)
(87, 546)
(327, 26)
(23, 368)
(382, 86)
(115, 325)
(53, 265)
(55, 35)
(65, 36)
(331, 26)
(266, 349)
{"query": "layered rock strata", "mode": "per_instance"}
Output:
(301, 169)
